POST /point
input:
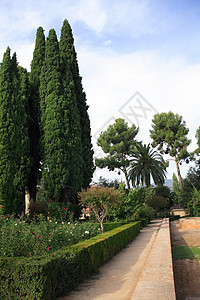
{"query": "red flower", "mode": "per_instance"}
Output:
(49, 234)
(37, 236)
(49, 248)
(64, 208)
(32, 233)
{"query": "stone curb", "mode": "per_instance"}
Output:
(157, 279)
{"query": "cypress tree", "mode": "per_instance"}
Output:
(14, 145)
(74, 148)
(68, 49)
(54, 123)
(36, 66)
(24, 163)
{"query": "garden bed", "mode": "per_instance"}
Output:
(52, 276)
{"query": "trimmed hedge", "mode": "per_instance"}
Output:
(49, 277)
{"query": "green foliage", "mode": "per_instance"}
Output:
(194, 204)
(128, 209)
(34, 78)
(41, 237)
(68, 55)
(158, 203)
(169, 133)
(100, 199)
(145, 212)
(177, 191)
(54, 123)
(107, 183)
(74, 137)
(117, 141)
(53, 276)
(146, 163)
(14, 141)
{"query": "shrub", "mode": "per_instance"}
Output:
(100, 199)
(158, 203)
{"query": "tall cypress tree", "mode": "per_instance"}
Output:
(74, 149)
(68, 50)
(36, 66)
(54, 123)
(14, 145)
(24, 163)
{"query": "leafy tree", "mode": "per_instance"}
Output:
(100, 199)
(36, 67)
(169, 133)
(54, 123)
(74, 138)
(68, 52)
(117, 141)
(146, 163)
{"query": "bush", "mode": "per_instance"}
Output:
(18, 238)
(158, 203)
(58, 274)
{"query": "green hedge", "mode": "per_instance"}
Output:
(53, 276)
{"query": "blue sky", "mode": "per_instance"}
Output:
(130, 53)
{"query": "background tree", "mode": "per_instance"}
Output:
(68, 51)
(117, 141)
(34, 102)
(100, 199)
(146, 163)
(169, 133)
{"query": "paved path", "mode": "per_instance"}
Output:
(122, 278)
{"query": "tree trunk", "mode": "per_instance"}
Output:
(126, 176)
(102, 229)
(179, 174)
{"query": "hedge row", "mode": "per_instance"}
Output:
(49, 277)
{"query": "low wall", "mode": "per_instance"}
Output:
(157, 280)
(190, 223)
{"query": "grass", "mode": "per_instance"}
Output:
(186, 252)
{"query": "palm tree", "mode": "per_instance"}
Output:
(146, 163)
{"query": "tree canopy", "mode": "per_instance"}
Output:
(146, 163)
(169, 133)
(117, 141)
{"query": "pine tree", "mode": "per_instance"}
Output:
(68, 49)
(36, 66)
(74, 134)
(54, 123)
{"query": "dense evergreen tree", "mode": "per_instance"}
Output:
(14, 142)
(74, 131)
(67, 46)
(36, 66)
(54, 123)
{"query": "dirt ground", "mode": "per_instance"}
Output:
(186, 271)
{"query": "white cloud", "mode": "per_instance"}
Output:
(168, 85)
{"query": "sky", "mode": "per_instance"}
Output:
(136, 58)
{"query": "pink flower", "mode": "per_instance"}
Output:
(37, 236)
(32, 233)
(49, 234)
(49, 248)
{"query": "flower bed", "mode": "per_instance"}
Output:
(52, 276)
(19, 238)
